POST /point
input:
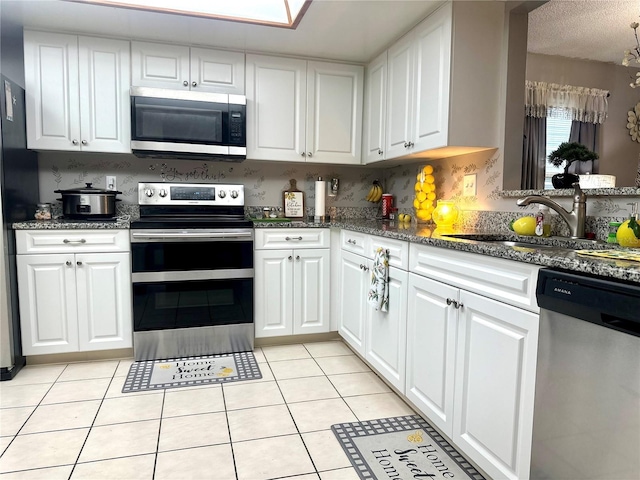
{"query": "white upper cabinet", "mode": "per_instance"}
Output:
(77, 93)
(442, 83)
(187, 68)
(375, 110)
(303, 111)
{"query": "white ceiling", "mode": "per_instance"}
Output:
(348, 30)
(588, 29)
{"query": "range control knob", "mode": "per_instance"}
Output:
(163, 193)
(148, 192)
(234, 194)
(222, 194)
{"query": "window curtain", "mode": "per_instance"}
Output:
(586, 107)
(534, 154)
(587, 134)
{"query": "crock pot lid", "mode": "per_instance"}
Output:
(88, 189)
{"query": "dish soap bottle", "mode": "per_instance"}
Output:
(543, 222)
(628, 234)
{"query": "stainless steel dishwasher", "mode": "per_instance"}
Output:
(587, 403)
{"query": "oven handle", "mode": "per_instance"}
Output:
(211, 236)
(179, 276)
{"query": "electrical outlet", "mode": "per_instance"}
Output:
(469, 188)
(111, 182)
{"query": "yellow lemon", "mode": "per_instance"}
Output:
(423, 214)
(431, 196)
(427, 170)
(626, 236)
(420, 177)
(421, 196)
(429, 179)
(426, 205)
(407, 218)
(426, 187)
(418, 186)
(416, 203)
(524, 226)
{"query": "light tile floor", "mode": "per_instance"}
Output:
(72, 421)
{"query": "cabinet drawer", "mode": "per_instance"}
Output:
(279, 238)
(69, 241)
(354, 242)
(507, 281)
(398, 250)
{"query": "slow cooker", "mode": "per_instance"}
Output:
(88, 202)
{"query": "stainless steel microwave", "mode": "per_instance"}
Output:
(177, 124)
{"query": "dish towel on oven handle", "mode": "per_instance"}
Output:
(378, 296)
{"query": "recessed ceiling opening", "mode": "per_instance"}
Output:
(274, 13)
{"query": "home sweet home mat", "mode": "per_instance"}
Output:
(401, 447)
(191, 371)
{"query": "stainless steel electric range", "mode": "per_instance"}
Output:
(192, 263)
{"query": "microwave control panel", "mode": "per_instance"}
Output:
(237, 125)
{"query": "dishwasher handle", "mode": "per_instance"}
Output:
(605, 302)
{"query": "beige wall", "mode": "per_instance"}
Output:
(619, 155)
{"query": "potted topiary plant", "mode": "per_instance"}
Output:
(569, 152)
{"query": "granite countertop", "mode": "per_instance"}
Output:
(68, 224)
(561, 256)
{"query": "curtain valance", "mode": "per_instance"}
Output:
(583, 104)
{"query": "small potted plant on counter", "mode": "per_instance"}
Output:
(569, 152)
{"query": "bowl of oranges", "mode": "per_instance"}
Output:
(425, 194)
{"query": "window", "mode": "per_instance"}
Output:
(276, 13)
(558, 130)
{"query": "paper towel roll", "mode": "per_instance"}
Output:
(321, 193)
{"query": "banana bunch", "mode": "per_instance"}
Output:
(375, 192)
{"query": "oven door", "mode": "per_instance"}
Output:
(191, 278)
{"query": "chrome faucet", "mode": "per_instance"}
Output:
(575, 218)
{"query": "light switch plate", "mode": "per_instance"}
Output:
(469, 188)
(111, 182)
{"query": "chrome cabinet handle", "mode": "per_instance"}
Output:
(79, 264)
(410, 144)
(379, 151)
(309, 154)
(455, 303)
(297, 257)
(353, 242)
(364, 267)
(66, 240)
(303, 154)
(289, 257)
(194, 84)
(68, 263)
(460, 305)
(74, 141)
(84, 142)
(185, 83)
(292, 238)
(449, 301)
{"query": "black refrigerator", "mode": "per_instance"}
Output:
(19, 196)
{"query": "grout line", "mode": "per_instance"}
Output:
(155, 456)
(226, 416)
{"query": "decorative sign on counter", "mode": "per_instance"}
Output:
(293, 201)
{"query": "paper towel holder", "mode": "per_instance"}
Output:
(320, 218)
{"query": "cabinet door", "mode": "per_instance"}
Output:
(311, 291)
(334, 113)
(399, 97)
(354, 281)
(494, 386)
(104, 68)
(47, 296)
(431, 344)
(273, 292)
(51, 85)
(375, 110)
(159, 65)
(432, 75)
(276, 108)
(104, 301)
(387, 332)
(217, 71)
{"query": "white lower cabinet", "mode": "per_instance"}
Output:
(471, 359)
(380, 337)
(73, 302)
(291, 285)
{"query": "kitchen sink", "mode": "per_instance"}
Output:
(536, 242)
